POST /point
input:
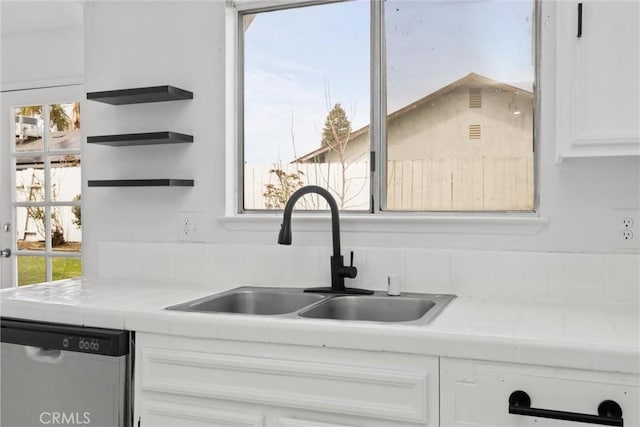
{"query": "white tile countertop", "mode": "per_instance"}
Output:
(582, 336)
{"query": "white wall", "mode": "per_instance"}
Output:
(133, 44)
(41, 57)
(130, 45)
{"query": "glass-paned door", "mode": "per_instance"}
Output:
(44, 160)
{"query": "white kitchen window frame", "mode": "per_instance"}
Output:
(377, 219)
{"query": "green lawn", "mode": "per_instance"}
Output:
(31, 269)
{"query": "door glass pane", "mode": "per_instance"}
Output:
(66, 232)
(29, 128)
(30, 228)
(66, 268)
(460, 100)
(306, 104)
(29, 179)
(64, 120)
(65, 178)
(31, 270)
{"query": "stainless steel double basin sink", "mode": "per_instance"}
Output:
(408, 308)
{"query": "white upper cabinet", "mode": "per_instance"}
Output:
(597, 86)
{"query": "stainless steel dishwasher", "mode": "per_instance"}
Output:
(64, 375)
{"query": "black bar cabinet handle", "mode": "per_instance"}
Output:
(579, 20)
(609, 412)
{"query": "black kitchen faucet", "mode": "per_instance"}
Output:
(338, 270)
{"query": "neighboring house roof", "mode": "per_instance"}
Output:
(471, 79)
(60, 141)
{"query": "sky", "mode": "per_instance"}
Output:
(300, 62)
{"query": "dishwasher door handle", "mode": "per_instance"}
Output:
(43, 355)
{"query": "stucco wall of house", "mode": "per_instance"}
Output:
(440, 129)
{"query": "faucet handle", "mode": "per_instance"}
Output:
(350, 272)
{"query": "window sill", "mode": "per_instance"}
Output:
(524, 224)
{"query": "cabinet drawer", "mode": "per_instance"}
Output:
(363, 384)
(301, 422)
(164, 414)
(477, 393)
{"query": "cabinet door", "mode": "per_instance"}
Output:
(476, 393)
(597, 87)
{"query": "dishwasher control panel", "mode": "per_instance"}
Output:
(56, 336)
(84, 344)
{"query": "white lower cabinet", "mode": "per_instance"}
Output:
(476, 393)
(188, 382)
(197, 382)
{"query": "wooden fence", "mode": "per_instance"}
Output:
(436, 184)
(326, 175)
(461, 184)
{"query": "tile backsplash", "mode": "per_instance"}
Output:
(576, 277)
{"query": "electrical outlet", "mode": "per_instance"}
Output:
(190, 227)
(626, 228)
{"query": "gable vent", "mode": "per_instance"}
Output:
(474, 131)
(475, 98)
